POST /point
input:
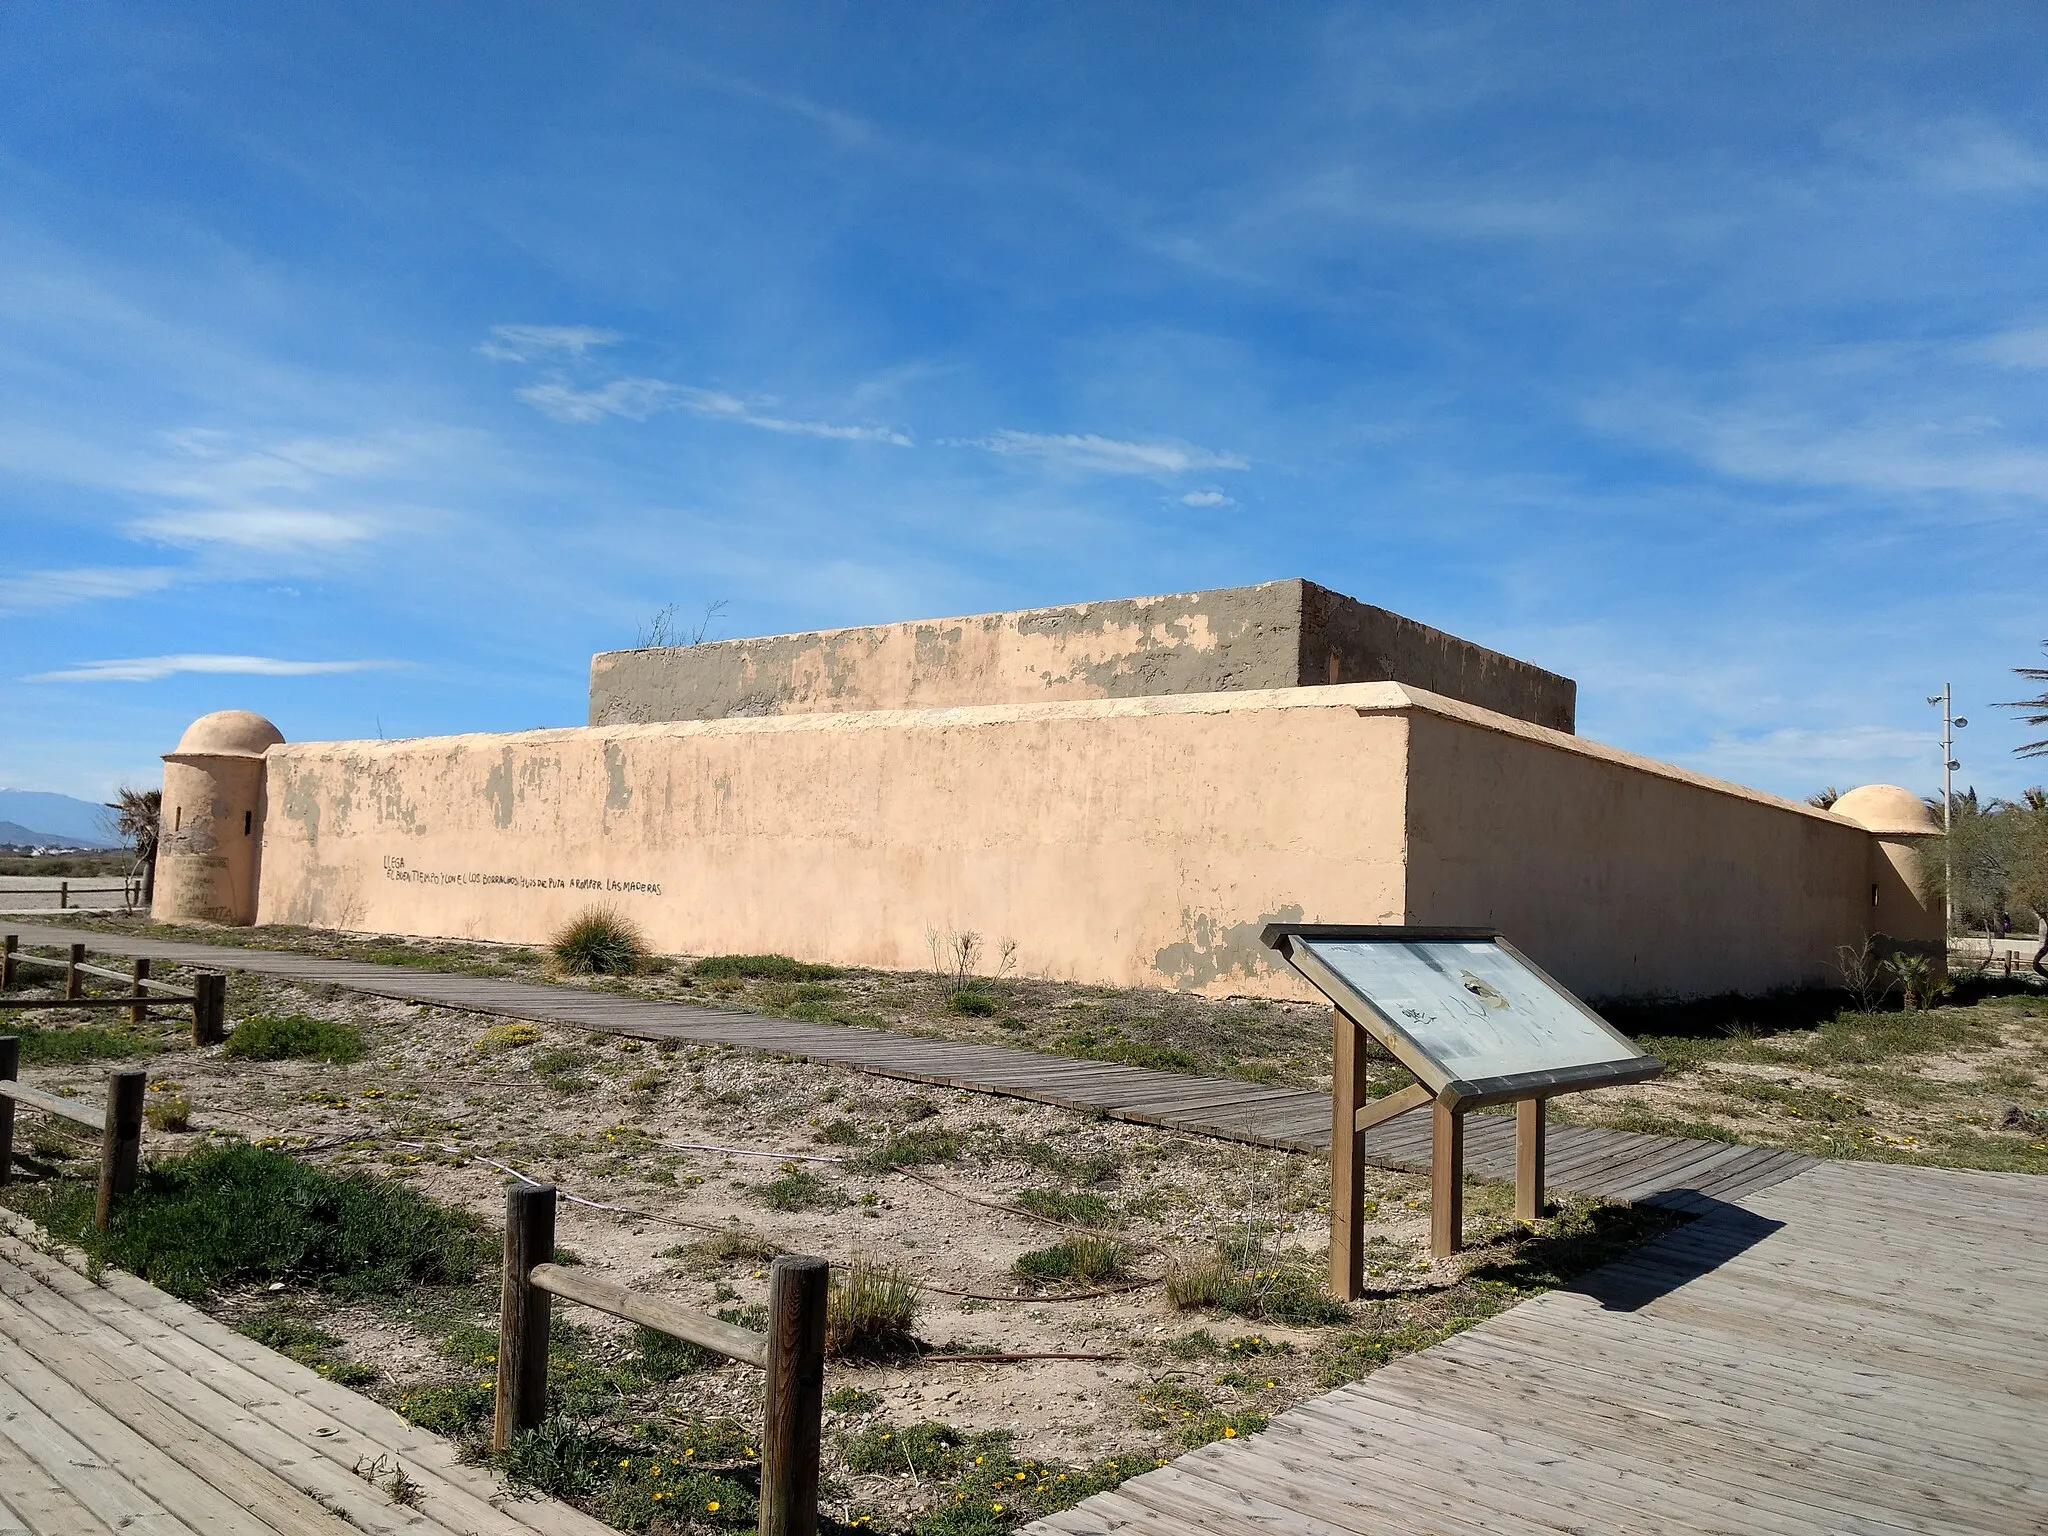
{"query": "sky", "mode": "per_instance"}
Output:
(371, 366)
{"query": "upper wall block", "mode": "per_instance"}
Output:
(1282, 634)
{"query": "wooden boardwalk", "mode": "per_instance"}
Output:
(1858, 1349)
(123, 1410)
(1584, 1160)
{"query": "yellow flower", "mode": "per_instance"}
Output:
(712, 1506)
(1229, 1433)
(627, 1462)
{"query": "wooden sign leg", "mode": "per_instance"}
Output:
(1447, 1182)
(1529, 1160)
(1347, 1158)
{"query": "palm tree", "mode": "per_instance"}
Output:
(138, 817)
(2039, 704)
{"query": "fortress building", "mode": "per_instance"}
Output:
(1126, 791)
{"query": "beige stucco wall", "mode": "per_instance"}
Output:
(1141, 841)
(1622, 876)
(1127, 841)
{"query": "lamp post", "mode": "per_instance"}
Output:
(1950, 724)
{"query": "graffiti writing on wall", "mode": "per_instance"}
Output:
(397, 870)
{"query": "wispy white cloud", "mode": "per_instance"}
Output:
(274, 530)
(148, 669)
(1207, 499)
(524, 343)
(1105, 455)
(1844, 757)
(636, 399)
(2026, 347)
(58, 589)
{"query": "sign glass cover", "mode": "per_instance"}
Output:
(1471, 1006)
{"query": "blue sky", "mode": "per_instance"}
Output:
(371, 366)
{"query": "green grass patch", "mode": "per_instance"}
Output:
(1077, 1208)
(910, 1149)
(799, 1189)
(978, 1005)
(279, 1037)
(225, 1216)
(60, 1046)
(1246, 1283)
(761, 968)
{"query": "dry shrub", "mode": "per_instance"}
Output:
(601, 941)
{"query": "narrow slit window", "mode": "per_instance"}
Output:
(177, 818)
(1873, 895)
(248, 822)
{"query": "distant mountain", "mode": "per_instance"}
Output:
(61, 819)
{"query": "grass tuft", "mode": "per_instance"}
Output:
(599, 942)
(61, 1047)
(910, 1149)
(279, 1037)
(870, 1310)
(1079, 1209)
(1084, 1260)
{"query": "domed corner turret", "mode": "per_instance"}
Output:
(210, 849)
(1905, 912)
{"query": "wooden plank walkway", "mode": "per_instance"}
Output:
(124, 1410)
(1582, 1159)
(1859, 1349)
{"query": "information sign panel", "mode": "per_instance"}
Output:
(1465, 1012)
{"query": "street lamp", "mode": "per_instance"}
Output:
(1950, 724)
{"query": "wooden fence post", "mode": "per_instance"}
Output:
(13, 943)
(74, 983)
(209, 1009)
(120, 1141)
(140, 1010)
(64, 899)
(10, 1070)
(798, 1288)
(523, 1313)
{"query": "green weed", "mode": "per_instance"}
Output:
(762, 968)
(1083, 1260)
(1077, 1208)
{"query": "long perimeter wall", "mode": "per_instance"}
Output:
(1122, 841)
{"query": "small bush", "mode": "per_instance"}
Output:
(1078, 1209)
(1076, 1167)
(851, 1400)
(841, 1133)
(924, 1144)
(1282, 1294)
(928, 1450)
(975, 1004)
(736, 1246)
(224, 1216)
(870, 1310)
(1084, 1260)
(508, 1037)
(167, 1108)
(557, 1457)
(279, 1037)
(761, 968)
(561, 1069)
(799, 1189)
(599, 942)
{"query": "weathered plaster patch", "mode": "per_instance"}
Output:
(618, 795)
(501, 790)
(1211, 951)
